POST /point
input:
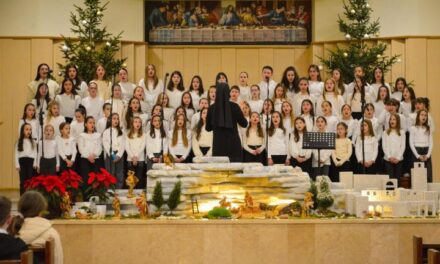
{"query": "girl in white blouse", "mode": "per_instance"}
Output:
(68, 100)
(421, 141)
(202, 139)
(127, 87)
(77, 125)
(25, 155)
(245, 90)
(352, 124)
(340, 85)
(330, 94)
(41, 100)
(117, 102)
(327, 112)
(211, 94)
(113, 161)
(101, 80)
(279, 96)
(135, 143)
(175, 89)
(322, 166)
(301, 95)
(255, 101)
(197, 91)
(316, 86)
(90, 149)
(383, 96)
(157, 141)
(29, 117)
(66, 146)
(278, 141)
(342, 153)
(254, 141)
(53, 117)
(393, 144)
(398, 88)
(359, 95)
(152, 85)
(369, 148)
(79, 86)
(407, 104)
(43, 76)
(180, 140)
(308, 113)
(187, 103)
(163, 100)
(138, 93)
(289, 82)
(93, 103)
(299, 156)
(288, 116)
(133, 110)
(48, 162)
(378, 81)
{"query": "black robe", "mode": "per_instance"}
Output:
(226, 141)
(10, 247)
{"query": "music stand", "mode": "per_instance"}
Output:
(319, 140)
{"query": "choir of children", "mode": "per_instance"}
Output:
(89, 126)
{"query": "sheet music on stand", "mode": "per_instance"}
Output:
(319, 140)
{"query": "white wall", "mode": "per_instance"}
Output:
(397, 18)
(52, 17)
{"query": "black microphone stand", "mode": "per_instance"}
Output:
(162, 117)
(109, 120)
(267, 124)
(41, 114)
(362, 130)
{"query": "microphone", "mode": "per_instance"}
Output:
(166, 75)
(49, 71)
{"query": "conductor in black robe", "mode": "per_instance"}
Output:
(223, 118)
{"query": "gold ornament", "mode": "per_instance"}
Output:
(131, 182)
(88, 48)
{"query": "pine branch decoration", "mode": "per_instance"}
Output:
(358, 30)
(93, 45)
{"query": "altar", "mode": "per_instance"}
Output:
(244, 241)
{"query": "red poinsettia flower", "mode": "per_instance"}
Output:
(71, 178)
(92, 176)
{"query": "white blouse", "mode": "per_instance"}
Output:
(135, 147)
(179, 148)
(66, 147)
(118, 142)
(89, 144)
(175, 97)
(278, 143)
(420, 138)
(68, 104)
(156, 144)
(296, 148)
(315, 89)
(393, 145)
(371, 148)
(29, 151)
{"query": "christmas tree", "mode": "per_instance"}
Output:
(358, 29)
(158, 200)
(174, 198)
(93, 45)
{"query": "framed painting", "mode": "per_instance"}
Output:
(236, 22)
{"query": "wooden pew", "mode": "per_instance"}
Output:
(433, 256)
(47, 252)
(26, 257)
(420, 250)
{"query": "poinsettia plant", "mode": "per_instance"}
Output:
(99, 184)
(51, 186)
(72, 181)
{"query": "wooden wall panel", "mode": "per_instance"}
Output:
(210, 61)
(398, 48)
(155, 56)
(173, 60)
(141, 59)
(433, 92)
(282, 58)
(387, 53)
(19, 59)
(128, 52)
(228, 64)
(247, 60)
(16, 54)
(191, 66)
(416, 64)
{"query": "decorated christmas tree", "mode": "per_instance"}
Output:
(158, 200)
(93, 44)
(358, 30)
